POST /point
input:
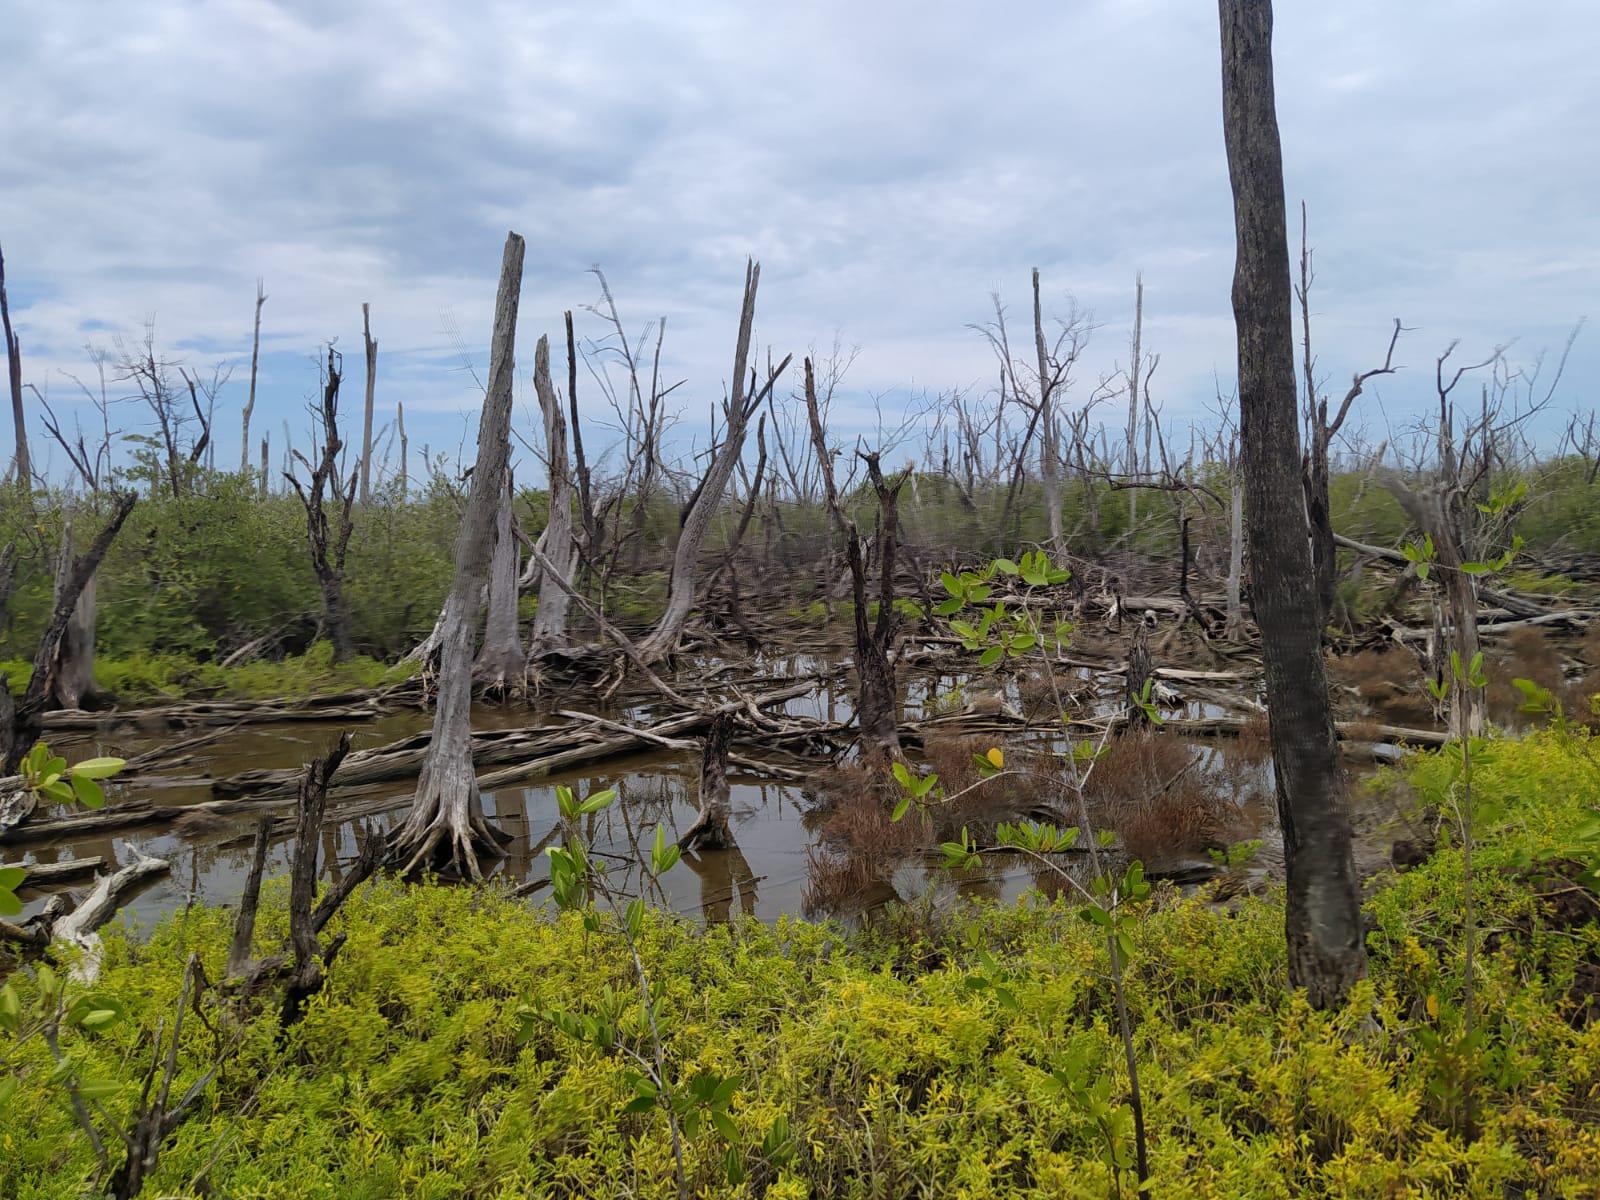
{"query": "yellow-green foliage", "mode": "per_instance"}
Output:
(896, 1076)
(143, 677)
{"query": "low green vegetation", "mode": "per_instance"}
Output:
(971, 1054)
(147, 678)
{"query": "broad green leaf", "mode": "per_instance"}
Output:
(87, 791)
(98, 768)
(10, 877)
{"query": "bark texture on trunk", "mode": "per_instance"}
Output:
(72, 683)
(328, 543)
(1323, 921)
(502, 664)
(1235, 619)
(250, 402)
(446, 826)
(1049, 464)
(550, 621)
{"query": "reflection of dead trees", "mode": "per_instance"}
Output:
(446, 825)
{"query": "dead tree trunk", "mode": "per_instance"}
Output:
(21, 731)
(550, 621)
(1049, 446)
(250, 401)
(14, 378)
(72, 684)
(1235, 587)
(446, 825)
(405, 447)
(502, 665)
(1137, 349)
(663, 639)
(366, 423)
(877, 722)
(710, 829)
(1323, 918)
(329, 548)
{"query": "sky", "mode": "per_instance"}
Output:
(891, 165)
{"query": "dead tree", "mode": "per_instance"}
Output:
(446, 825)
(1323, 918)
(366, 422)
(707, 498)
(710, 829)
(19, 727)
(19, 421)
(877, 723)
(580, 465)
(250, 400)
(72, 682)
(1320, 432)
(180, 449)
(329, 546)
(501, 667)
(550, 621)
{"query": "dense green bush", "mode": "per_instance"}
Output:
(895, 1075)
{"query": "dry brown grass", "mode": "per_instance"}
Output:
(1389, 682)
(1163, 796)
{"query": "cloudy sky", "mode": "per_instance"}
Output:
(890, 164)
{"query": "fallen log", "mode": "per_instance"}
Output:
(47, 874)
(110, 893)
(549, 746)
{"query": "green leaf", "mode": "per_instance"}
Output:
(901, 774)
(10, 906)
(98, 768)
(88, 792)
(901, 809)
(99, 1089)
(639, 1104)
(1005, 566)
(55, 790)
(597, 801)
(10, 877)
(947, 608)
(991, 656)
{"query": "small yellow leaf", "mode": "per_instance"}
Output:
(1433, 1007)
(996, 756)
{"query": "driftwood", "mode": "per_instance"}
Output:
(109, 894)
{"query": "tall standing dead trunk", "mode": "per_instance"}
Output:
(1137, 348)
(328, 544)
(877, 698)
(446, 825)
(366, 423)
(550, 621)
(502, 664)
(250, 401)
(14, 378)
(72, 683)
(745, 399)
(1049, 446)
(1323, 920)
(405, 447)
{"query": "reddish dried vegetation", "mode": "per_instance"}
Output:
(1389, 682)
(1163, 796)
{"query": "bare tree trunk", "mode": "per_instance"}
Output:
(72, 684)
(264, 468)
(502, 665)
(710, 829)
(877, 698)
(250, 401)
(550, 621)
(663, 639)
(18, 734)
(405, 447)
(446, 825)
(1323, 919)
(366, 424)
(328, 546)
(1049, 470)
(1133, 400)
(580, 465)
(14, 377)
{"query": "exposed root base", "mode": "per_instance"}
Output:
(446, 846)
